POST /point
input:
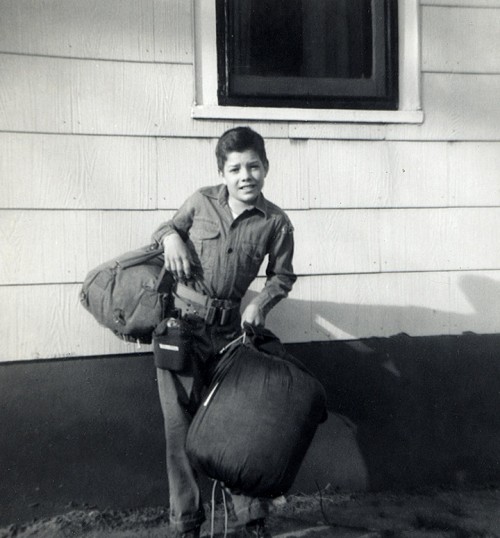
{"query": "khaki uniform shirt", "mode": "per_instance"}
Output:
(227, 252)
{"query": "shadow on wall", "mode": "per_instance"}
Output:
(421, 410)
(341, 321)
(403, 412)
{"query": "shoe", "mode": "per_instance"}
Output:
(254, 529)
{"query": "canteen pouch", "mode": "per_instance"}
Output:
(171, 344)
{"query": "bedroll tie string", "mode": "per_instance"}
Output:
(212, 518)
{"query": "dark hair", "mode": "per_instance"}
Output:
(240, 139)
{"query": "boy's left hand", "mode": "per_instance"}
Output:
(253, 315)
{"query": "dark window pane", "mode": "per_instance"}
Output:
(312, 53)
(267, 37)
(309, 38)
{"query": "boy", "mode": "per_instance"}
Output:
(214, 245)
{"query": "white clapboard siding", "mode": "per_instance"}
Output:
(462, 3)
(77, 172)
(49, 321)
(347, 174)
(144, 30)
(391, 240)
(344, 307)
(456, 107)
(400, 174)
(40, 94)
(337, 131)
(190, 164)
(94, 172)
(460, 40)
(396, 225)
(419, 304)
(445, 239)
(342, 174)
(60, 95)
(44, 247)
(99, 97)
(62, 246)
(474, 173)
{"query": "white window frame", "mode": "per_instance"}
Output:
(205, 67)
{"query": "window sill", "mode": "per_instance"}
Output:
(205, 112)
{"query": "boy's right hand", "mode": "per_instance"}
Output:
(177, 256)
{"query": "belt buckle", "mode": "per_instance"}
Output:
(211, 312)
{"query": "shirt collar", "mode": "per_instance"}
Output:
(220, 193)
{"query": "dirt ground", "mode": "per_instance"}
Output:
(436, 513)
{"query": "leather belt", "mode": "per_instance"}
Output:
(211, 309)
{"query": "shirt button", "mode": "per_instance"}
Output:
(229, 250)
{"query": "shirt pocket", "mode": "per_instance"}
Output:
(252, 257)
(204, 234)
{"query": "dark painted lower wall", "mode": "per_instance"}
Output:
(405, 412)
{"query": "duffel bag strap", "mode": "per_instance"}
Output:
(139, 256)
(165, 281)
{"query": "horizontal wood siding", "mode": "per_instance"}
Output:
(462, 3)
(78, 172)
(347, 174)
(350, 174)
(395, 224)
(131, 30)
(468, 35)
(95, 172)
(69, 243)
(60, 95)
(54, 95)
(66, 244)
(48, 320)
(456, 107)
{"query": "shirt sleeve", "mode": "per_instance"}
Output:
(279, 272)
(180, 223)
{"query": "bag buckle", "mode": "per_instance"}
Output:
(225, 315)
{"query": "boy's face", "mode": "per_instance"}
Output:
(244, 175)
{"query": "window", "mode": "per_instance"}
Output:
(404, 72)
(307, 53)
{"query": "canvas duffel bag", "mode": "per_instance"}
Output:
(257, 421)
(130, 293)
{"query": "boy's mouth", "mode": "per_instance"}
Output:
(248, 187)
